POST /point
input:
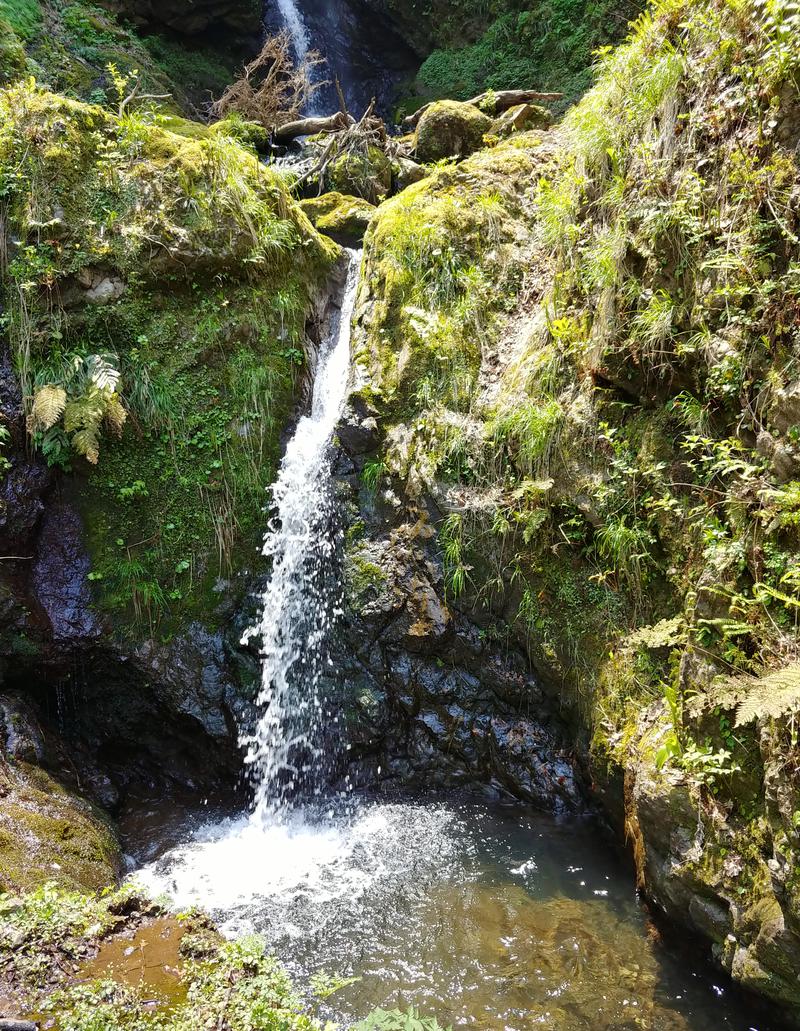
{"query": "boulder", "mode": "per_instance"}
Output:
(343, 218)
(450, 129)
(521, 118)
(406, 172)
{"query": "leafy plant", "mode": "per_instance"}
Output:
(398, 1020)
(84, 398)
(451, 538)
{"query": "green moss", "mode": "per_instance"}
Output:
(211, 266)
(345, 219)
(69, 44)
(435, 257)
(366, 175)
(364, 579)
(449, 129)
(13, 60)
(48, 834)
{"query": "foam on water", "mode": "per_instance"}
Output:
(310, 865)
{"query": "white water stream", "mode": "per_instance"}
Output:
(295, 853)
(300, 600)
(296, 27)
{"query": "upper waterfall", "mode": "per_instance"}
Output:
(296, 27)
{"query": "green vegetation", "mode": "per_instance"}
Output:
(601, 395)
(68, 47)
(47, 936)
(547, 48)
(156, 301)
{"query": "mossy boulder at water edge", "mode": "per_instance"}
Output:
(345, 219)
(450, 129)
(47, 833)
(366, 174)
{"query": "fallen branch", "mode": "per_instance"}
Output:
(310, 126)
(501, 101)
(355, 138)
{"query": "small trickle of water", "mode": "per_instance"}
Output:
(300, 599)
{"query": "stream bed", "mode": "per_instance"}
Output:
(499, 919)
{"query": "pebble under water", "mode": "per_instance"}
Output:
(498, 919)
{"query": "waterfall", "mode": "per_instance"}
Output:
(293, 23)
(301, 597)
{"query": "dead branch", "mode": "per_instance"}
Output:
(353, 141)
(495, 103)
(310, 126)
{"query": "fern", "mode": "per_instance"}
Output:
(49, 402)
(770, 696)
(115, 414)
(86, 443)
(754, 698)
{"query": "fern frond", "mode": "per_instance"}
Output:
(49, 402)
(771, 696)
(85, 413)
(115, 414)
(102, 373)
(86, 443)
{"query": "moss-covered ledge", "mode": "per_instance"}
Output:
(158, 287)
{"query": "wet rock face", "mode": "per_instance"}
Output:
(58, 576)
(47, 832)
(361, 50)
(431, 700)
(147, 715)
(23, 485)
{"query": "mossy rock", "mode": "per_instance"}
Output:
(450, 129)
(521, 118)
(368, 175)
(345, 219)
(49, 834)
(405, 173)
(209, 269)
(13, 62)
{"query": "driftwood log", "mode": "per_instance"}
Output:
(310, 126)
(501, 100)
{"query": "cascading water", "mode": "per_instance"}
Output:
(294, 24)
(301, 597)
